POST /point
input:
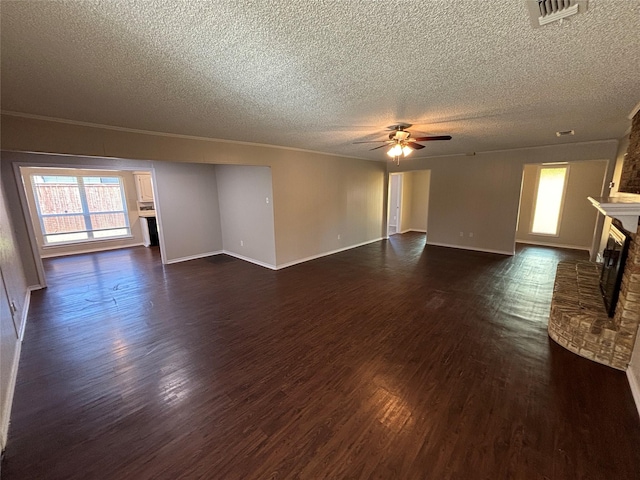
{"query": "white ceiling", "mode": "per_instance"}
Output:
(320, 75)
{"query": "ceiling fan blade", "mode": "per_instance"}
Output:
(415, 146)
(375, 148)
(433, 137)
(372, 141)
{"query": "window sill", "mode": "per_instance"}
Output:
(85, 242)
(546, 235)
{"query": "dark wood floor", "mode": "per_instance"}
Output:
(390, 361)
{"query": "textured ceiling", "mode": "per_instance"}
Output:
(320, 75)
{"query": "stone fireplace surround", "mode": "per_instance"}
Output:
(578, 319)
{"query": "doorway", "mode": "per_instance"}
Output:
(408, 205)
(395, 204)
(72, 209)
(553, 210)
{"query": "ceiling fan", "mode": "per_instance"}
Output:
(401, 142)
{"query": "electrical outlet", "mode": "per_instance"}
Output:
(267, 199)
(462, 234)
(338, 236)
(470, 234)
(241, 243)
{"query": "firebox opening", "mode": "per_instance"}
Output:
(615, 256)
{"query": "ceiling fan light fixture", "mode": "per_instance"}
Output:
(395, 151)
(406, 150)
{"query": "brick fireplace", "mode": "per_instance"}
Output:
(578, 319)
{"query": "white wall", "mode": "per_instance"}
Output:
(56, 250)
(578, 221)
(10, 327)
(246, 212)
(480, 194)
(186, 200)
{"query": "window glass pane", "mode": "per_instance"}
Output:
(104, 197)
(63, 224)
(549, 200)
(75, 209)
(38, 179)
(104, 221)
(66, 237)
(118, 232)
(58, 198)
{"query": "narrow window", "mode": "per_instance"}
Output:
(550, 192)
(80, 209)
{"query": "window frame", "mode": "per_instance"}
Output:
(85, 214)
(564, 166)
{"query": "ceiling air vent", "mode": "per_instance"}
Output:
(548, 11)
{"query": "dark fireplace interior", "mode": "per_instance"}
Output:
(615, 256)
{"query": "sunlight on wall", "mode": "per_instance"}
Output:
(549, 200)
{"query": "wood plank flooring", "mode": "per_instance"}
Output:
(393, 360)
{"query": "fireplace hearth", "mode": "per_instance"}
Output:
(579, 320)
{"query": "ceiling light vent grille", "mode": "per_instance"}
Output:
(543, 12)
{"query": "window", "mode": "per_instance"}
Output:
(79, 209)
(548, 205)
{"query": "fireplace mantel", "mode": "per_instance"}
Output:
(625, 209)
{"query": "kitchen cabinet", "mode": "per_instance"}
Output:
(144, 187)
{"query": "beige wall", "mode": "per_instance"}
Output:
(420, 181)
(316, 197)
(414, 209)
(480, 194)
(246, 212)
(578, 221)
(406, 203)
(132, 207)
(10, 326)
(186, 200)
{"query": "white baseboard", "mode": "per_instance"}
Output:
(25, 311)
(193, 257)
(97, 249)
(475, 249)
(250, 260)
(268, 265)
(413, 230)
(554, 245)
(635, 388)
(313, 257)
